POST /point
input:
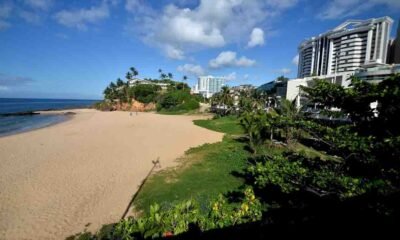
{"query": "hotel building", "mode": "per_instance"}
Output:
(208, 85)
(345, 48)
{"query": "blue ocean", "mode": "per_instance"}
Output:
(12, 121)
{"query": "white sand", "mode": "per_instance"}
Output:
(55, 180)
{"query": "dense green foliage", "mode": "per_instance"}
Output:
(165, 222)
(365, 175)
(177, 100)
(145, 93)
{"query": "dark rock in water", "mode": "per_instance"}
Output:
(18, 114)
(69, 113)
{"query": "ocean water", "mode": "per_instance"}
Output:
(11, 122)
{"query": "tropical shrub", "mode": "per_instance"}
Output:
(293, 172)
(145, 93)
(103, 106)
(177, 100)
(163, 222)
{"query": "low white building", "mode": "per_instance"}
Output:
(293, 91)
(138, 81)
(208, 85)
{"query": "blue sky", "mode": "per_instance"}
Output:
(73, 49)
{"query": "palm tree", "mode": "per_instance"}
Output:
(170, 76)
(120, 83)
(161, 73)
(184, 80)
(107, 93)
(226, 99)
(163, 76)
(110, 94)
(290, 116)
(134, 71)
(128, 76)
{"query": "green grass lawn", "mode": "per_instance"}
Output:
(229, 124)
(205, 172)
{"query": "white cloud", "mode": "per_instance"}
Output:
(256, 38)
(39, 4)
(82, 17)
(191, 69)
(295, 60)
(229, 59)
(210, 24)
(174, 53)
(230, 77)
(347, 8)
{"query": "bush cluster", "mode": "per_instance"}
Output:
(165, 222)
(177, 100)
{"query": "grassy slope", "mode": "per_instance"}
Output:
(229, 124)
(205, 172)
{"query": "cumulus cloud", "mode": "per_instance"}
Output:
(174, 53)
(256, 38)
(191, 69)
(210, 24)
(295, 60)
(229, 59)
(80, 18)
(7, 81)
(347, 8)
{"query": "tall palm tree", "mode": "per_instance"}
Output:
(170, 76)
(112, 91)
(226, 99)
(120, 83)
(134, 71)
(184, 80)
(128, 76)
(290, 115)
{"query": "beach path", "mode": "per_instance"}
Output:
(56, 180)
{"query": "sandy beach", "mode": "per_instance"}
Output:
(84, 171)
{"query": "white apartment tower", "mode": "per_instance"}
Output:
(208, 85)
(345, 48)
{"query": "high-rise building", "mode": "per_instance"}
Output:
(394, 49)
(345, 48)
(209, 85)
